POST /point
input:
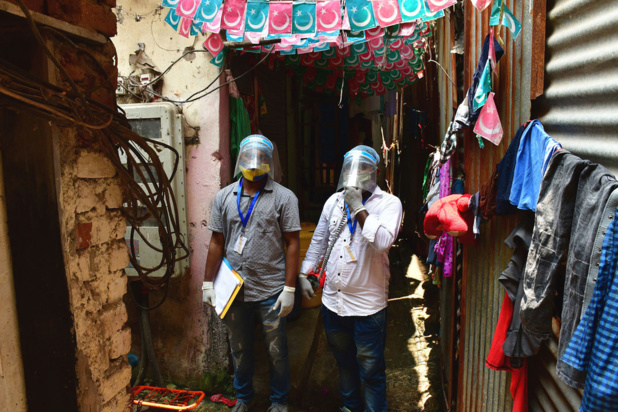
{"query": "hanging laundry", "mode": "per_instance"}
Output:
(572, 212)
(510, 344)
(506, 169)
(594, 346)
(535, 149)
(475, 207)
(497, 360)
(480, 68)
(487, 197)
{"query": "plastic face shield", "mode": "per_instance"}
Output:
(359, 170)
(255, 158)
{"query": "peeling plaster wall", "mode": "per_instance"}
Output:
(188, 338)
(12, 385)
(92, 227)
(95, 256)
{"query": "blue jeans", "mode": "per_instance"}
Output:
(357, 342)
(240, 322)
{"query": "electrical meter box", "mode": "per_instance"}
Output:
(159, 122)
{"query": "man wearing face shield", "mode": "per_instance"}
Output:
(355, 292)
(251, 222)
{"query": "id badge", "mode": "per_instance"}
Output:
(240, 244)
(349, 255)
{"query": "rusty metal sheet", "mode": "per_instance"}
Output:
(480, 388)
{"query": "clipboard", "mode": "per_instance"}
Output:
(226, 285)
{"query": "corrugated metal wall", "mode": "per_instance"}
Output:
(579, 107)
(447, 88)
(480, 388)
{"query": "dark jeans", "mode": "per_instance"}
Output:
(357, 342)
(240, 322)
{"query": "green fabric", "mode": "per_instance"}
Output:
(425, 182)
(241, 125)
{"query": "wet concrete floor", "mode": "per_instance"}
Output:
(412, 353)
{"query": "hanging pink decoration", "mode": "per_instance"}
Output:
(214, 44)
(233, 17)
(387, 12)
(328, 15)
(437, 5)
(280, 17)
(374, 33)
(407, 29)
(480, 4)
(375, 44)
(215, 25)
(488, 124)
(184, 28)
(187, 8)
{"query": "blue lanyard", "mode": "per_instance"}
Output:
(352, 226)
(245, 219)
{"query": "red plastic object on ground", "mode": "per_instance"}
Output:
(174, 399)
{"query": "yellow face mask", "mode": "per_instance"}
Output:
(255, 174)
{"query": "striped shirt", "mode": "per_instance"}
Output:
(594, 345)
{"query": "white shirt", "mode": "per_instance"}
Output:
(357, 288)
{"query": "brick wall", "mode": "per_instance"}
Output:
(90, 197)
(95, 256)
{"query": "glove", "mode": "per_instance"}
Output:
(286, 301)
(208, 294)
(353, 197)
(305, 286)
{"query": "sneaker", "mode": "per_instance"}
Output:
(278, 407)
(242, 406)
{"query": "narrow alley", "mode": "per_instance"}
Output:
(176, 176)
(412, 349)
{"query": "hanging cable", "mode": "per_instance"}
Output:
(133, 156)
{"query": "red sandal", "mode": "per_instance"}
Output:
(219, 398)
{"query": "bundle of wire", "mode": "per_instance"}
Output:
(110, 129)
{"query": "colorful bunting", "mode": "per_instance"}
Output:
(257, 17)
(511, 22)
(488, 124)
(431, 15)
(169, 3)
(361, 15)
(207, 11)
(386, 12)
(218, 59)
(173, 19)
(233, 14)
(280, 18)
(328, 15)
(214, 44)
(481, 4)
(372, 44)
(215, 25)
(494, 19)
(303, 21)
(184, 28)
(374, 33)
(437, 5)
(411, 10)
(187, 8)
(492, 50)
(484, 87)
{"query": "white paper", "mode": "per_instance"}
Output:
(225, 284)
